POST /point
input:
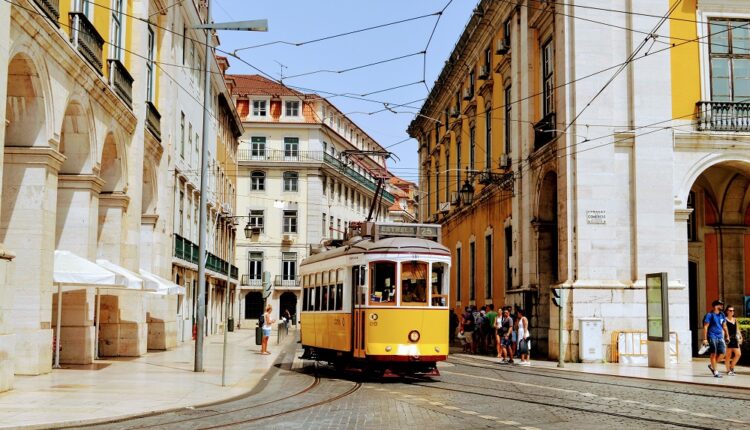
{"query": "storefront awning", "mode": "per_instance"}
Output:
(71, 269)
(159, 285)
(126, 277)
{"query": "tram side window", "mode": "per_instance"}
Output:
(383, 283)
(304, 298)
(439, 285)
(339, 297)
(317, 298)
(324, 299)
(331, 297)
(414, 283)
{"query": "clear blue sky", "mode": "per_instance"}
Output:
(297, 21)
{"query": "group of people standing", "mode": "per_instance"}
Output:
(722, 337)
(486, 331)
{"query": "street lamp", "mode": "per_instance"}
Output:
(256, 25)
(467, 193)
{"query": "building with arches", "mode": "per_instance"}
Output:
(88, 167)
(627, 156)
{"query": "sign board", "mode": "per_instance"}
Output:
(424, 231)
(657, 306)
(596, 217)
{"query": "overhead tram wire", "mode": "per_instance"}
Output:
(349, 69)
(427, 46)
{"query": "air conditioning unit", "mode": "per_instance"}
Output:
(455, 198)
(505, 161)
(287, 238)
(454, 112)
(502, 47)
(484, 71)
(467, 94)
(444, 207)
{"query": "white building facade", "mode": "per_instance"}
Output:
(296, 186)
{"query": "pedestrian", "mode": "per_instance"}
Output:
(715, 330)
(504, 326)
(491, 333)
(524, 338)
(453, 326)
(469, 326)
(735, 340)
(512, 311)
(480, 331)
(267, 324)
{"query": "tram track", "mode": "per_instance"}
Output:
(563, 402)
(564, 375)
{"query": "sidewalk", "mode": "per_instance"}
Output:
(122, 387)
(695, 372)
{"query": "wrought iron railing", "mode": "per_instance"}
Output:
(188, 251)
(86, 39)
(153, 120)
(247, 154)
(723, 116)
(280, 282)
(121, 81)
(252, 282)
(544, 131)
(51, 8)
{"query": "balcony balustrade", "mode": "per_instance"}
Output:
(121, 81)
(86, 39)
(51, 8)
(286, 283)
(153, 120)
(188, 251)
(723, 116)
(247, 280)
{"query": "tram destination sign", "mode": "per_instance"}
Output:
(424, 231)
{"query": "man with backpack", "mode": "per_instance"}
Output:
(714, 333)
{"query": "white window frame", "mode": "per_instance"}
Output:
(150, 73)
(261, 186)
(256, 112)
(256, 218)
(262, 153)
(293, 153)
(288, 258)
(298, 108)
(293, 226)
(252, 260)
(292, 186)
(707, 10)
(117, 28)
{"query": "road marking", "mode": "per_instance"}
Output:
(488, 417)
(509, 423)
(437, 403)
(469, 412)
(610, 398)
(678, 410)
(452, 408)
(588, 394)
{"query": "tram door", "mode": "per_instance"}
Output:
(359, 291)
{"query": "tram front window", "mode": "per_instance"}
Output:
(383, 285)
(439, 284)
(414, 283)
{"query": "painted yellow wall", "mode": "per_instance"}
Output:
(128, 35)
(685, 60)
(102, 16)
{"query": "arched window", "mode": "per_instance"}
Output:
(290, 181)
(257, 181)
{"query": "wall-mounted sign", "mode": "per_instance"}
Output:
(596, 217)
(431, 232)
(657, 306)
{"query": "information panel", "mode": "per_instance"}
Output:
(657, 306)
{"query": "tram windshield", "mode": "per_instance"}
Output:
(414, 283)
(383, 282)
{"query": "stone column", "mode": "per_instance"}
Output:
(148, 227)
(28, 228)
(111, 226)
(77, 222)
(7, 338)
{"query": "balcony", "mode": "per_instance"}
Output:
(188, 251)
(121, 81)
(286, 283)
(723, 116)
(272, 155)
(544, 131)
(86, 39)
(153, 120)
(248, 281)
(51, 8)
(356, 176)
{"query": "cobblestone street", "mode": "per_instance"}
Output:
(470, 393)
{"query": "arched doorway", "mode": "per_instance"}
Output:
(288, 301)
(718, 236)
(545, 224)
(253, 305)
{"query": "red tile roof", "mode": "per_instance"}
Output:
(258, 85)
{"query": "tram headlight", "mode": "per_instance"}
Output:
(414, 336)
(437, 349)
(388, 348)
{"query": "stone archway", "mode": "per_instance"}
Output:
(546, 225)
(718, 238)
(113, 202)
(27, 216)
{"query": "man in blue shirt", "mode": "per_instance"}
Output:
(715, 331)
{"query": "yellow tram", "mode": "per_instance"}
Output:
(379, 301)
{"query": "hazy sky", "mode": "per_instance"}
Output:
(298, 21)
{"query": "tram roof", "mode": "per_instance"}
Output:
(383, 246)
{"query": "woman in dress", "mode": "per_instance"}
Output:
(267, 324)
(523, 338)
(735, 340)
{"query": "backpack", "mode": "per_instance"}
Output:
(262, 320)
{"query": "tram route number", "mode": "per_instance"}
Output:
(373, 323)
